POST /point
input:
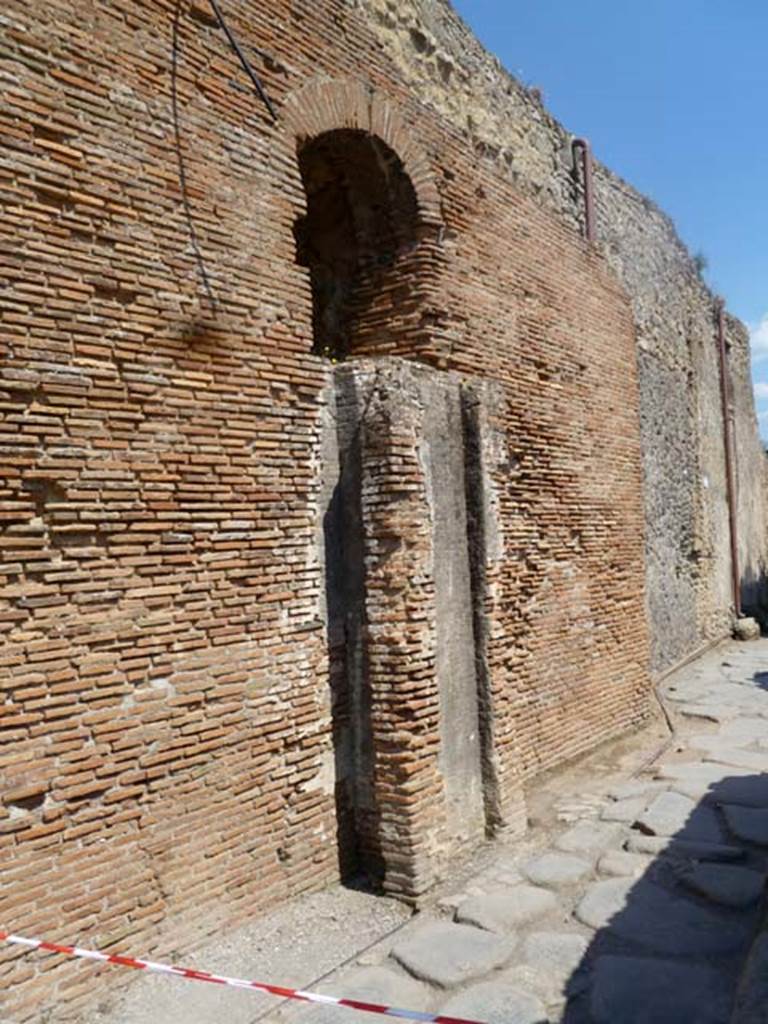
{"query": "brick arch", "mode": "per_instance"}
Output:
(324, 106)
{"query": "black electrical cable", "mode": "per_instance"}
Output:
(194, 241)
(244, 61)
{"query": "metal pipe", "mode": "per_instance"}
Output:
(730, 480)
(589, 198)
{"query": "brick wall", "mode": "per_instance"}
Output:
(168, 742)
(687, 559)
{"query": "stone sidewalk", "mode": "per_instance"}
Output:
(640, 903)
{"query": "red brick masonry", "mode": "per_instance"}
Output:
(167, 740)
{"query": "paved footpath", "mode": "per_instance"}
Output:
(641, 902)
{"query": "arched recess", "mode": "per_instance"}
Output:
(333, 105)
(371, 233)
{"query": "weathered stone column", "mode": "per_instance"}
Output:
(414, 764)
(484, 407)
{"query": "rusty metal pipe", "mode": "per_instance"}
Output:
(589, 196)
(730, 480)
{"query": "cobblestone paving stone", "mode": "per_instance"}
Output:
(589, 838)
(556, 870)
(555, 954)
(672, 847)
(504, 910)
(447, 955)
(497, 1003)
(652, 917)
(748, 823)
(622, 863)
(385, 985)
(672, 814)
(635, 991)
(754, 760)
(626, 810)
(724, 883)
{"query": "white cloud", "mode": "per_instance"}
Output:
(758, 340)
(761, 389)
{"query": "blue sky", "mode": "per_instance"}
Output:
(673, 95)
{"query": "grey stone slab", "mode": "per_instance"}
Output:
(496, 1002)
(755, 760)
(743, 788)
(754, 657)
(621, 864)
(556, 870)
(663, 922)
(692, 690)
(672, 814)
(746, 728)
(603, 901)
(533, 980)
(694, 771)
(682, 849)
(636, 788)
(557, 955)
(629, 990)
(509, 864)
(752, 1000)
(505, 871)
(710, 712)
(751, 673)
(626, 810)
(748, 823)
(740, 680)
(699, 780)
(590, 838)
(727, 884)
(451, 954)
(372, 985)
(714, 743)
(505, 910)
(749, 700)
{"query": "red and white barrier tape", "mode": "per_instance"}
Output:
(219, 979)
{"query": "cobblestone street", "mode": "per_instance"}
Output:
(642, 904)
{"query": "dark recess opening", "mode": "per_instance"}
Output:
(357, 239)
(373, 261)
